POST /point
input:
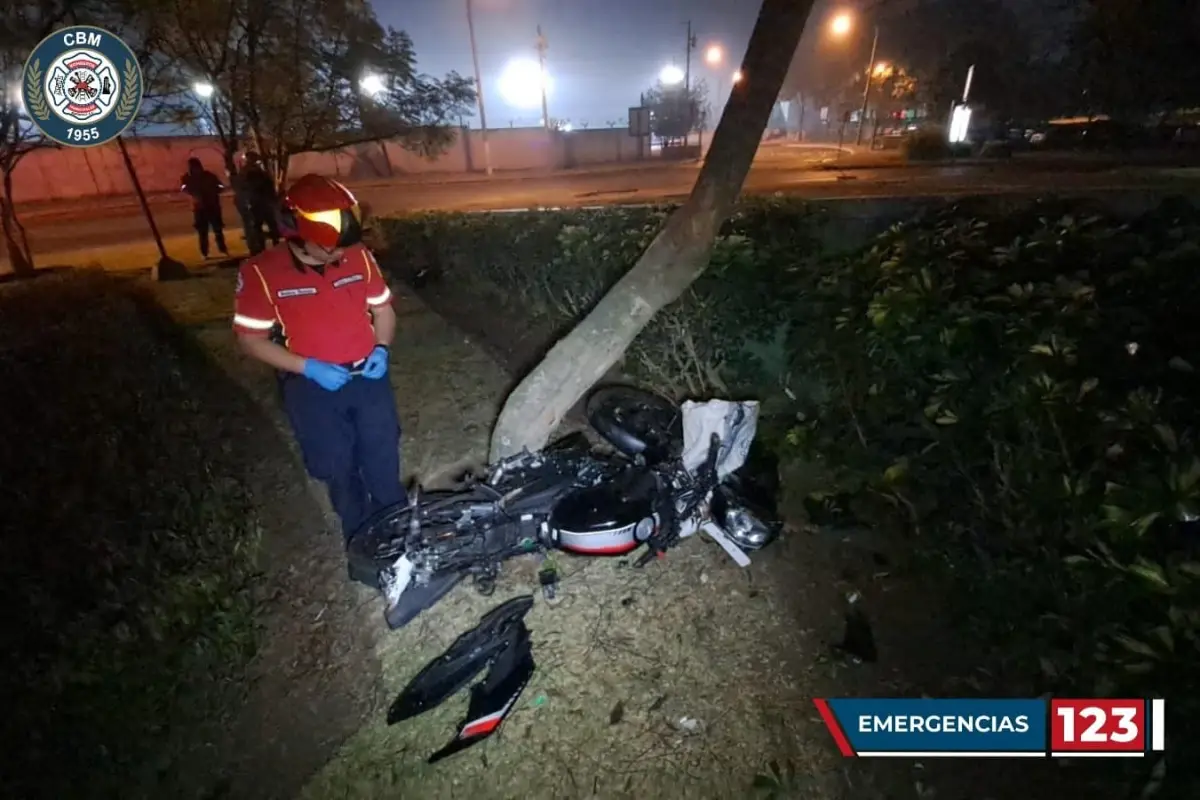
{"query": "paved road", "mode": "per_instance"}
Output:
(799, 171)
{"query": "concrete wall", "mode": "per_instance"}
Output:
(99, 171)
(615, 145)
(70, 173)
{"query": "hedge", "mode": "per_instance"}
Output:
(555, 266)
(1014, 392)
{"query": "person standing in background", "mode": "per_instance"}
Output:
(205, 189)
(260, 201)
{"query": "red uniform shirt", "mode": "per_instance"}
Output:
(326, 317)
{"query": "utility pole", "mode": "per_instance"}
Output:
(168, 267)
(541, 48)
(687, 80)
(487, 151)
(862, 115)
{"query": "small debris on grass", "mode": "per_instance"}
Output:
(859, 640)
(689, 725)
(617, 714)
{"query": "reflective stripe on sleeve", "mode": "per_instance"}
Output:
(252, 323)
(380, 298)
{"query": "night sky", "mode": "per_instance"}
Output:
(603, 53)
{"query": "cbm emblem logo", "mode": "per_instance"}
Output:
(82, 86)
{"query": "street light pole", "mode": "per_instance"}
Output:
(687, 81)
(862, 115)
(541, 48)
(487, 151)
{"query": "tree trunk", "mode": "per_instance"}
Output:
(16, 245)
(676, 257)
(282, 162)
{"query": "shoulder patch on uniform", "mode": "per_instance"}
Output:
(296, 292)
(348, 279)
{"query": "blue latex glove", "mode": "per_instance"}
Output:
(328, 376)
(377, 363)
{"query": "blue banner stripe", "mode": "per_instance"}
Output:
(927, 726)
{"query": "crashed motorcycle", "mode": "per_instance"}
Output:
(668, 472)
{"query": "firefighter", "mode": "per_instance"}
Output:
(205, 189)
(317, 309)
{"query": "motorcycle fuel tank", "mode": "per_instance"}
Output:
(602, 520)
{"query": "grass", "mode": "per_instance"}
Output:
(133, 518)
(694, 637)
(130, 542)
(663, 682)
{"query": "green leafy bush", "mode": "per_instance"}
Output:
(1018, 391)
(1013, 389)
(726, 332)
(131, 541)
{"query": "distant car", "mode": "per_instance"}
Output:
(1098, 134)
(1187, 135)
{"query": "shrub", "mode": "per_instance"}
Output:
(1013, 390)
(132, 540)
(1018, 393)
(726, 333)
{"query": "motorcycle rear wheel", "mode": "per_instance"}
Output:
(380, 541)
(637, 422)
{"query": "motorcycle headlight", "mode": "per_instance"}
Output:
(746, 530)
(644, 529)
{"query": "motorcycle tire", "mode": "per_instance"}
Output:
(637, 422)
(367, 552)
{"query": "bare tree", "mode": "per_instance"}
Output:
(22, 26)
(291, 76)
(205, 67)
(676, 257)
(18, 136)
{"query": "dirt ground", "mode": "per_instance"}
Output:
(690, 678)
(684, 679)
(317, 679)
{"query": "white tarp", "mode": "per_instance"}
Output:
(735, 423)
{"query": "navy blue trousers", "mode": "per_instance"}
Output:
(350, 440)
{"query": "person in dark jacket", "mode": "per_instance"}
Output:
(205, 189)
(261, 201)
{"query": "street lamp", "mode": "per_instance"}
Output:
(714, 55)
(737, 77)
(841, 24)
(372, 85)
(205, 91)
(524, 83)
(671, 75)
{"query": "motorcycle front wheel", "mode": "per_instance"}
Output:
(637, 422)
